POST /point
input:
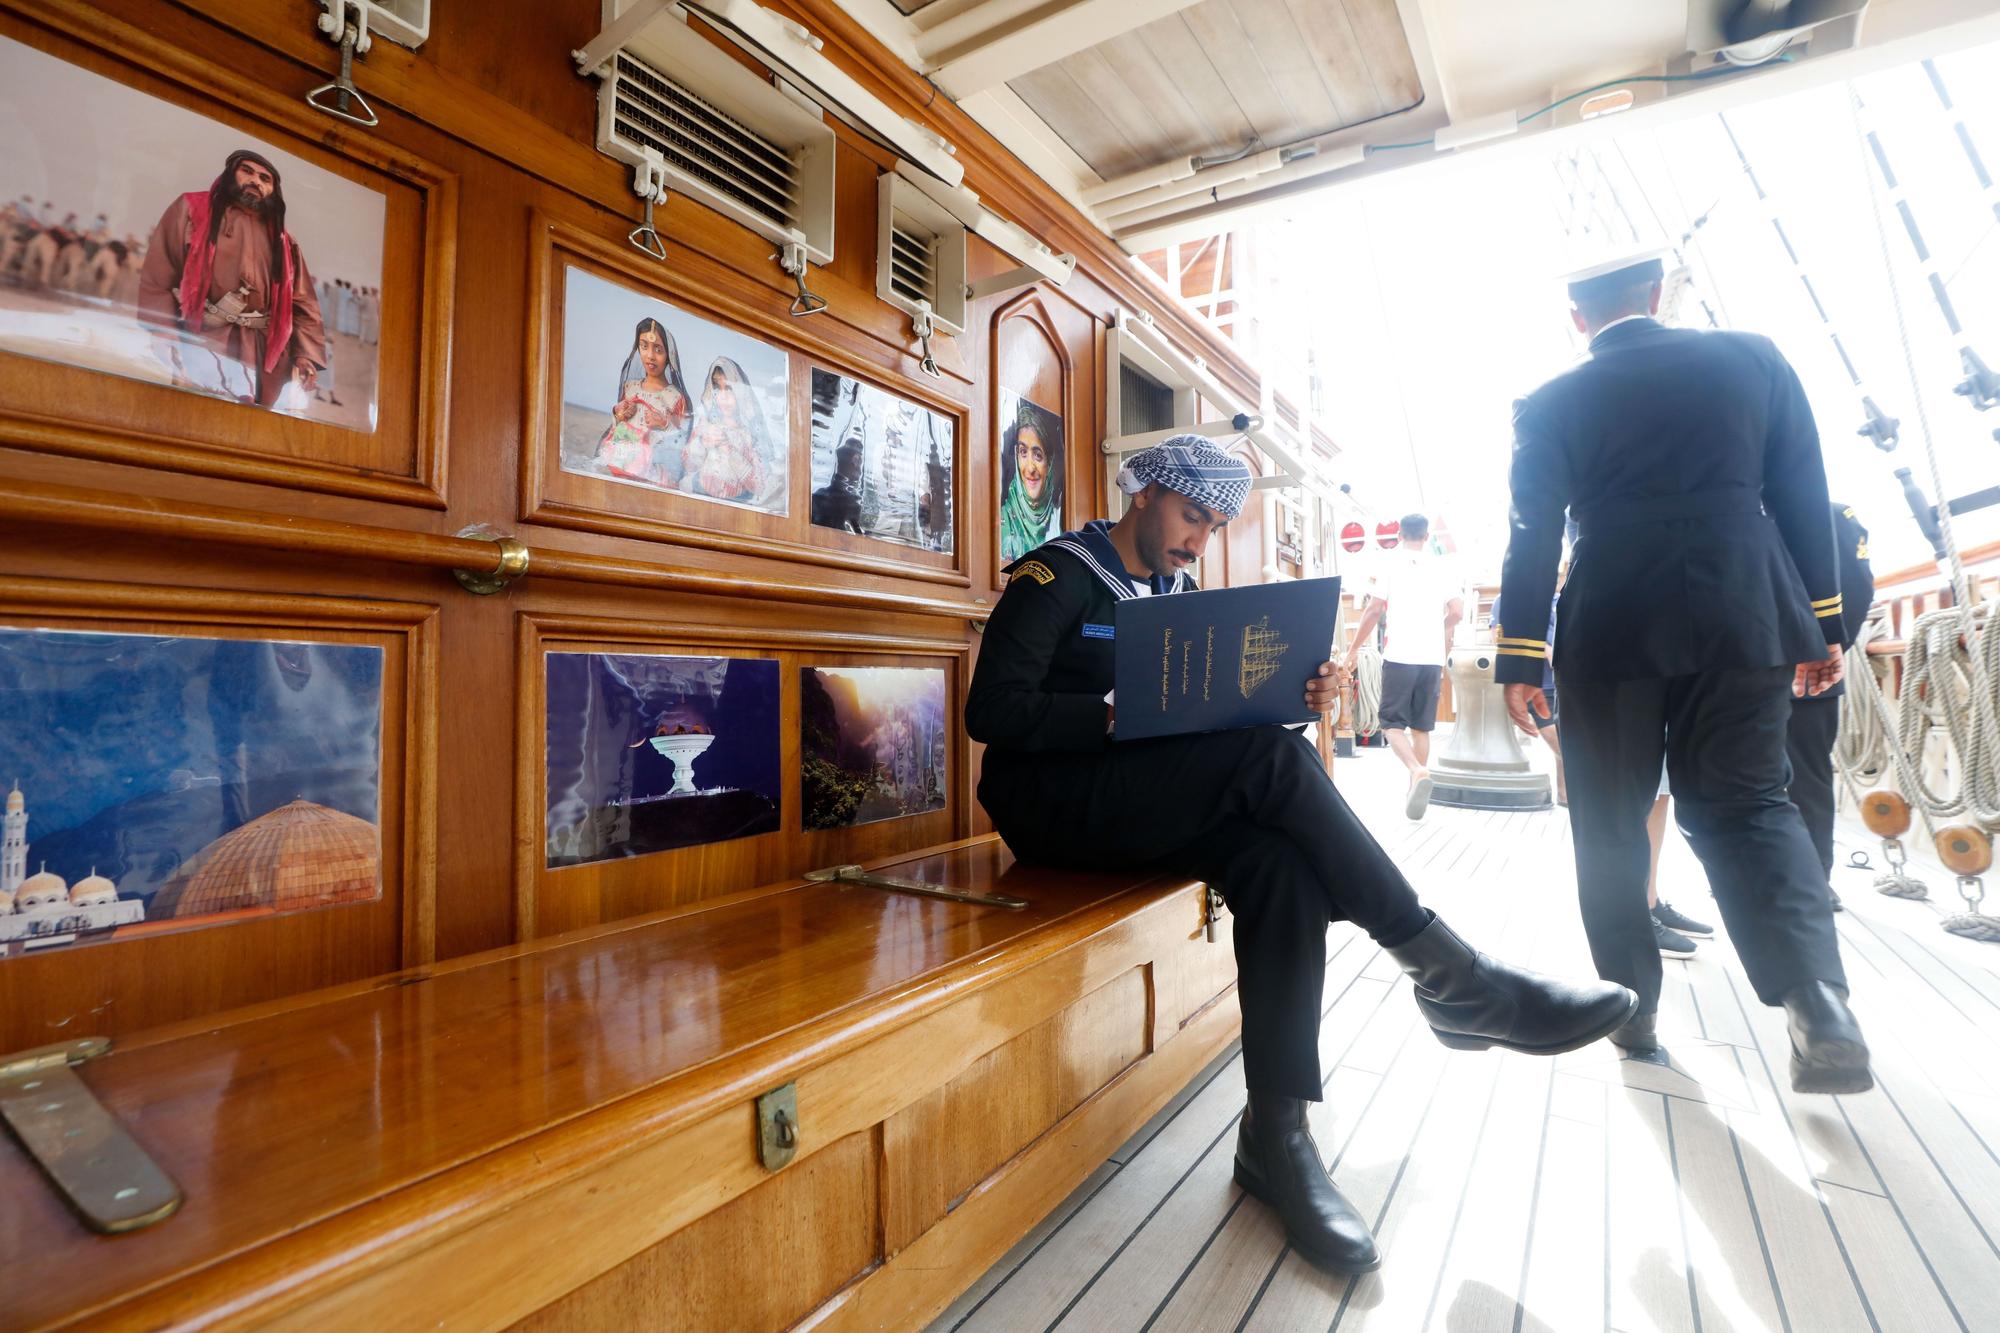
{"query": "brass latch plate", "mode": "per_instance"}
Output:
(778, 1126)
(869, 880)
(86, 1154)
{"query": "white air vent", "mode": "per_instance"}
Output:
(674, 104)
(919, 256)
(405, 22)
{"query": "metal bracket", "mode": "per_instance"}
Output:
(86, 1154)
(792, 259)
(924, 328)
(353, 39)
(865, 879)
(649, 182)
(778, 1126)
(1212, 908)
(513, 563)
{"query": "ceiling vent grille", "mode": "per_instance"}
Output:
(692, 120)
(920, 256)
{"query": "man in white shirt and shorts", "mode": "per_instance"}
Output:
(1418, 640)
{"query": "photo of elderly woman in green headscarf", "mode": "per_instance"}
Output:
(1031, 476)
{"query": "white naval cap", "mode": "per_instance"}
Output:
(1626, 269)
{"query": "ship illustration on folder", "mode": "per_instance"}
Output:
(1261, 650)
(1215, 661)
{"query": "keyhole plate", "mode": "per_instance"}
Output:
(778, 1126)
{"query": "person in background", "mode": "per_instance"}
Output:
(1815, 721)
(1703, 594)
(1413, 654)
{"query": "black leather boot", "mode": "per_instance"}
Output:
(1473, 1001)
(1278, 1163)
(1828, 1052)
(1638, 1035)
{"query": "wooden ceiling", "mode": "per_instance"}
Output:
(1224, 73)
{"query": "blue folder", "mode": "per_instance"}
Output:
(1217, 660)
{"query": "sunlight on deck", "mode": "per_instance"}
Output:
(1524, 1196)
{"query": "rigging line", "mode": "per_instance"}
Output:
(1693, 234)
(1679, 245)
(1984, 236)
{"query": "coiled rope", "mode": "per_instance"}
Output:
(1367, 692)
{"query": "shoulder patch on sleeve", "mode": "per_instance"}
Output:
(1036, 570)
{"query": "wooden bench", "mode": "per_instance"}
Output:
(564, 1134)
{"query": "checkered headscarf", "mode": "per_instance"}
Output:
(1191, 465)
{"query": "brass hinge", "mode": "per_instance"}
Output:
(86, 1154)
(868, 880)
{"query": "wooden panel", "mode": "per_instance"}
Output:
(552, 901)
(133, 422)
(941, 1146)
(532, 1117)
(761, 1261)
(144, 976)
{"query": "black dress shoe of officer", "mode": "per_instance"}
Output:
(1637, 1036)
(1278, 1163)
(1828, 1052)
(1473, 1001)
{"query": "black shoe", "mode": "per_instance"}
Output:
(1828, 1051)
(1473, 1001)
(1686, 925)
(1672, 944)
(1278, 1163)
(1637, 1036)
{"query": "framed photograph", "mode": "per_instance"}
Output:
(161, 783)
(881, 465)
(655, 397)
(646, 753)
(1031, 476)
(145, 240)
(873, 744)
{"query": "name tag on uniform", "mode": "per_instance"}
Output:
(1100, 631)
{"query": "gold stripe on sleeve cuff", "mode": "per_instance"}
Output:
(1538, 653)
(1827, 601)
(1522, 643)
(1829, 613)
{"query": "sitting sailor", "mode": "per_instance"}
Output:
(1252, 812)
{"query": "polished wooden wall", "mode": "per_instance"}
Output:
(159, 511)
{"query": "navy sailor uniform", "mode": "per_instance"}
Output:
(1815, 722)
(1251, 812)
(1704, 570)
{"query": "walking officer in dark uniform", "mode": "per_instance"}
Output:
(1703, 593)
(1250, 811)
(1815, 720)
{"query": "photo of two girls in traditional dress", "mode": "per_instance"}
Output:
(632, 413)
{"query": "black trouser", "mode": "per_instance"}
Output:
(1723, 734)
(1809, 745)
(1252, 812)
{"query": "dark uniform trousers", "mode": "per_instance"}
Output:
(1723, 735)
(1809, 745)
(1251, 812)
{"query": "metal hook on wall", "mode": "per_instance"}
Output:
(354, 40)
(793, 260)
(921, 322)
(649, 182)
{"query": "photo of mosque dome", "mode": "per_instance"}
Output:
(647, 753)
(157, 783)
